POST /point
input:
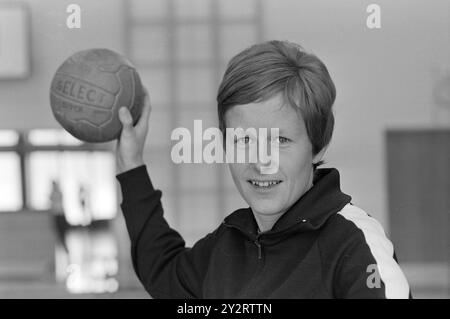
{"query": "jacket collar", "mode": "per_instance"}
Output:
(310, 212)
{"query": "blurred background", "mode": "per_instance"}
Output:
(61, 230)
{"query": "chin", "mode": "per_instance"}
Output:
(266, 207)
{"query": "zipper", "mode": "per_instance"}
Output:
(249, 236)
(258, 245)
(256, 241)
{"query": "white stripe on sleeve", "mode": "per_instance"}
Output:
(396, 285)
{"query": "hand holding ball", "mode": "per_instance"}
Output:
(88, 90)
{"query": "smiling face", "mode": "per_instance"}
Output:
(271, 195)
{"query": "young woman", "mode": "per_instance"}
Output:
(301, 237)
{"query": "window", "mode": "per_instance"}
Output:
(10, 182)
(8, 138)
(54, 137)
(82, 176)
(10, 173)
(30, 162)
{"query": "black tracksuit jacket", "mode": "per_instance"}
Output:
(322, 247)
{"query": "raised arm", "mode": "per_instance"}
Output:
(166, 268)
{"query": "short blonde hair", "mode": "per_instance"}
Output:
(263, 70)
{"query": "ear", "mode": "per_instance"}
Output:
(318, 157)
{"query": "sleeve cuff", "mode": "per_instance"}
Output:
(135, 183)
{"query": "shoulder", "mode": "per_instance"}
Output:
(352, 227)
(352, 220)
(355, 239)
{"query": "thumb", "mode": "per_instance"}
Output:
(125, 118)
(127, 123)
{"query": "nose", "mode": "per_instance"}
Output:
(265, 164)
(259, 166)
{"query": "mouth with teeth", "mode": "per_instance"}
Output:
(263, 185)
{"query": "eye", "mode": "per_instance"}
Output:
(242, 140)
(282, 140)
